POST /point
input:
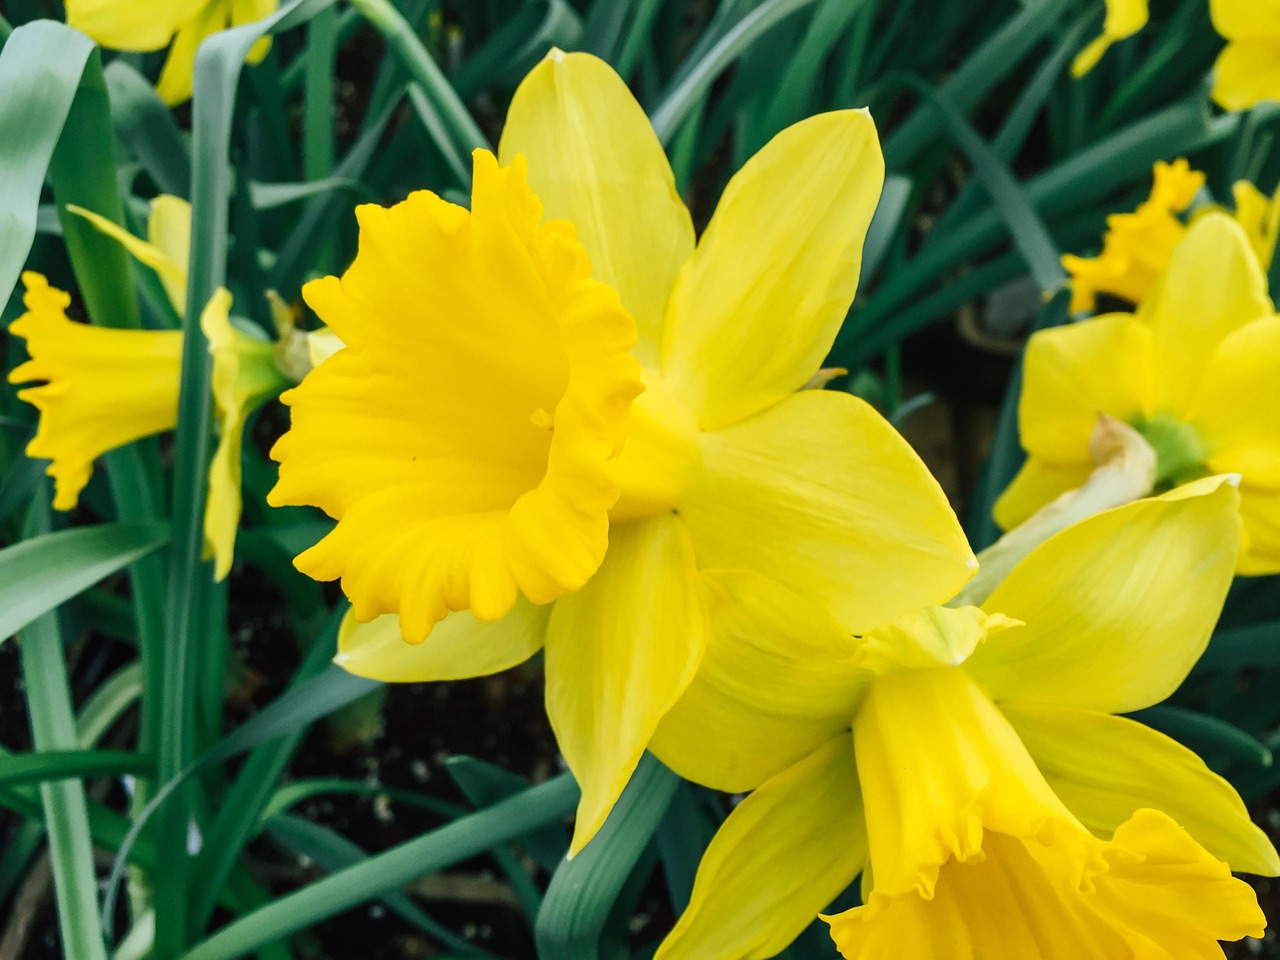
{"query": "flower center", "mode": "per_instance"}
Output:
(659, 457)
(1180, 452)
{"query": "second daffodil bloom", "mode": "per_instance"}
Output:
(106, 387)
(1137, 246)
(554, 410)
(1124, 19)
(1193, 371)
(1248, 69)
(145, 25)
(989, 796)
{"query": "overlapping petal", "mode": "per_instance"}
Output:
(757, 306)
(451, 494)
(855, 521)
(1036, 484)
(244, 376)
(1117, 608)
(595, 161)
(1107, 768)
(459, 647)
(169, 228)
(785, 853)
(1213, 287)
(620, 653)
(1247, 71)
(777, 681)
(104, 388)
(138, 25)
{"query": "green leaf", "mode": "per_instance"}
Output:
(37, 575)
(144, 124)
(583, 891)
(41, 67)
(332, 851)
(518, 44)
(350, 887)
(484, 785)
(71, 764)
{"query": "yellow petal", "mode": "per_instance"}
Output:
(1036, 484)
(1213, 287)
(244, 375)
(459, 647)
(785, 852)
(1256, 214)
(1124, 19)
(1260, 510)
(169, 230)
(776, 683)
(104, 388)
(820, 494)
(757, 306)
(1075, 372)
(172, 273)
(461, 437)
(1117, 608)
(594, 160)
(321, 345)
(1239, 19)
(1247, 73)
(1107, 768)
(174, 85)
(138, 25)
(1151, 892)
(1234, 412)
(620, 652)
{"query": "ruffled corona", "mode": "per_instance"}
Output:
(975, 857)
(104, 388)
(460, 438)
(1137, 246)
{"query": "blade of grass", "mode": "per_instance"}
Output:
(65, 764)
(450, 844)
(144, 124)
(66, 818)
(583, 890)
(694, 79)
(38, 574)
(40, 74)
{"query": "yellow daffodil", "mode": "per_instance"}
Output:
(1124, 19)
(1193, 371)
(107, 388)
(145, 25)
(104, 388)
(553, 410)
(989, 796)
(1137, 246)
(1248, 70)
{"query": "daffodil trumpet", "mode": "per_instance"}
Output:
(1193, 371)
(105, 388)
(969, 764)
(553, 410)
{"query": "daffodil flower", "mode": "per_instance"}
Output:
(106, 388)
(1248, 69)
(145, 25)
(1193, 371)
(1124, 19)
(969, 764)
(1137, 246)
(554, 410)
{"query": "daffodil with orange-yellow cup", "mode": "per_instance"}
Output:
(553, 411)
(1247, 71)
(181, 25)
(1193, 371)
(968, 761)
(105, 388)
(1137, 247)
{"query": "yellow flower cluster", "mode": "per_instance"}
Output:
(558, 420)
(1248, 69)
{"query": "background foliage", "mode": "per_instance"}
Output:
(148, 711)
